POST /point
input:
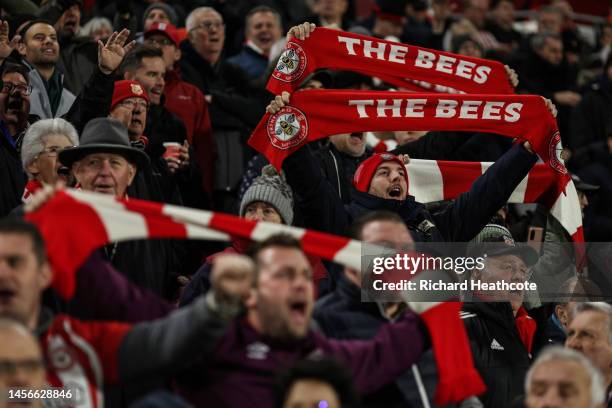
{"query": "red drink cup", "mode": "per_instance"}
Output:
(172, 150)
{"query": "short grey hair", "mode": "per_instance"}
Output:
(95, 24)
(33, 143)
(558, 353)
(190, 21)
(601, 307)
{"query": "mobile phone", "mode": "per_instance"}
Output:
(535, 236)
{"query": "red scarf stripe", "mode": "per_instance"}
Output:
(158, 224)
(54, 221)
(456, 182)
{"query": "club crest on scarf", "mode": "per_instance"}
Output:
(555, 149)
(291, 64)
(287, 128)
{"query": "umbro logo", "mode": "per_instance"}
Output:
(496, 346)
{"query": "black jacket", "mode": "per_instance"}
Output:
(591, 120)
(339, 169)
(235, 105)
(471, 211)
(499, 354)
(12, 176)
(78, 61)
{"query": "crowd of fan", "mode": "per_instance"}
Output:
(156, 101)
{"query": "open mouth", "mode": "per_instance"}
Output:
(395, 191)
(14, 105)
(357, 137)
(6, 295)
(63, 172)
(104, 188)
(298, 309)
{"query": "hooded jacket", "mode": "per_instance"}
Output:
(460, 222)
(39, 99)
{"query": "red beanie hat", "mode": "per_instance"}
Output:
(125, 89)
(365, 171)
(165, 29)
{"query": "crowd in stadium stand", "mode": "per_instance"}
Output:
(160, 104)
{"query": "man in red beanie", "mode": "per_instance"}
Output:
(185, 100)
(381, 183)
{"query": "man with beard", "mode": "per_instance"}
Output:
(14, 107)
(146, 65)
(40, 51)
(78, 54)
(185, 100)
(381, 183)
(275, 332)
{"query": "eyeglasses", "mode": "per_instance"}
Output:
(10, 368)
(53, 151)
(132, 104)
(9, 87)
(161, 41)
(208, 25)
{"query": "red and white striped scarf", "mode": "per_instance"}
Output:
(75, 223)
(436, 180)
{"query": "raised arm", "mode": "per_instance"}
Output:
(381, 360)
(473, 209)
(161, 348)
(320, 204)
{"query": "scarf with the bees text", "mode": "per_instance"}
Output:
(406, 66)
(315, 114)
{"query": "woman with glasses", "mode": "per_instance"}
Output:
(39, 153)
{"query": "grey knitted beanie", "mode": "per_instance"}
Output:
(168, 9)
(270, 188)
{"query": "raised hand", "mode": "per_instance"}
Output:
(6, 46)
(232, 278)
(301, 31)
(278, 102)
(111, 54)
(512, 76)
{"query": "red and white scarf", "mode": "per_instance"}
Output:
(31, 187)
(315, 114)
(75, 223)
(435, 180)
(402, 65)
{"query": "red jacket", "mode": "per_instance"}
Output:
(188, 103)
(82, 356)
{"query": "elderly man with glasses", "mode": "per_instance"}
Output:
(235, 105)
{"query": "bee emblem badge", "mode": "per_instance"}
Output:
(287, 128)
(291, 64)
(555, 150)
